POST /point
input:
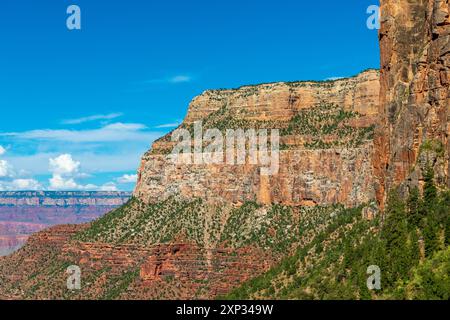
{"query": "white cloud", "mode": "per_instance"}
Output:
(2, 150)
(180, 79)
(126, 161)
(58, 182)
(128, 178)
(116, 132)
(61, 183)
(168, 125)
(25, 184)
(20, 185)
(63, 169)
(93, 118)
(110, 186)
(334, 78)
(64, 164)
(5, 169)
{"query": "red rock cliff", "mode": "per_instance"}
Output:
(414, 96)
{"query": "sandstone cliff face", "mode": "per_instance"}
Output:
(310, 173)
(414, 98)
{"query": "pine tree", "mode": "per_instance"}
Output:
(413, 248)
(395, 235)
(429, 189)
(443, 214)
(431, 235)
(447, 231)
(430, 201)
(414, 204)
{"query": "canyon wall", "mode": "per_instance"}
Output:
(414, 98)
(27, 212)
(319, 166)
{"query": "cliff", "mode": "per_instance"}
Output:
(326, 131)
(414, 98)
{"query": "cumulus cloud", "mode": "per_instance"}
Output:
(96, 117)
(128, 178)
(110, 186)
(5, 169)
(64, 164)
(26, 184)
(20, 185)
(58, 182)
(63, 169)
(2, 150)
(115, 132)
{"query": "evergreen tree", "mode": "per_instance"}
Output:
(414, 250)
(414, 204)
(395, 235)
(431, 235)
(447, 231)
(430, 208)
(429, 189)
(443, 214)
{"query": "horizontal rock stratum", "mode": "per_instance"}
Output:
(326, 145)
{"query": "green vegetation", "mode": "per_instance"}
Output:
(144, 224)
(274, 228)
(119, 284)
(409, 243)
(324, 126)
(328, 120)
(434, 146)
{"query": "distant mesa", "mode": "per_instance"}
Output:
(23, 213)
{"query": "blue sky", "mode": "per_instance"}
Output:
(79, 108)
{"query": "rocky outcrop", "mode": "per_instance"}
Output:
(24, 213)
(414, 98)
(315, 166)
(281, 101)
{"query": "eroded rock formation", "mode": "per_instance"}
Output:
(335, 169)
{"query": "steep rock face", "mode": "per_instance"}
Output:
(316, 166)
(414, 98)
